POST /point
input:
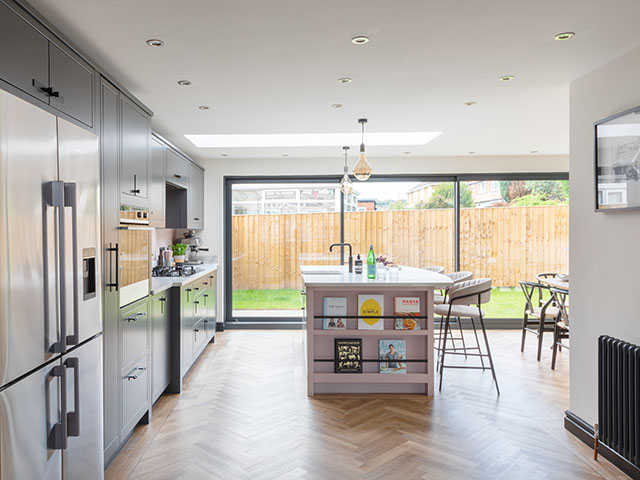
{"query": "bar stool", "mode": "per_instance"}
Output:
(540, 314)
(561, 330)
(461, 296)
(457, 277)
(435, 268)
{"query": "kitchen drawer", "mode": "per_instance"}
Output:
(134, 322)
(199, 304)
(135, 394)
(199, 337)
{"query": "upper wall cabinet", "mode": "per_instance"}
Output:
(177, 169)
(135, 157)
(50, 73)
(157, 186)
(195, 206)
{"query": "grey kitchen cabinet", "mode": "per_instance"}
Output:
(134, 320)
(177, 169)
(24, 55)
(135, 158)
(208, 284)
(109, 156)
(135, 382)
(160, 344)
(195, 205)
(71, 81)
(157, 189)
(187, 322)
(50, 72)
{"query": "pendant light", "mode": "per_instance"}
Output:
(346, 185)
(362, 171)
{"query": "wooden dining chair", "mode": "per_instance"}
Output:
(539, 314)
(561, 330)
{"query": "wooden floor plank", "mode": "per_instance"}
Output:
(244, 414)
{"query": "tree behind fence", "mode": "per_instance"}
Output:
(506, 244)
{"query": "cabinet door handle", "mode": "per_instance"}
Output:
(196, 330)
(177, 176)
(133, 375)
(135, 317)
(196, 302)
(40, 86)
(196, 288)
(196, 219)
(137, 190)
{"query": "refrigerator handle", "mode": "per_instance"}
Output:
(111, 283)
(73, 418)
(54, 197)
(71, 201)
(57, 437)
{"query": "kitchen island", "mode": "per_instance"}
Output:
(322, 282)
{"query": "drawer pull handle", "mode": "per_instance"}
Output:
(196, 302)
(135, 317)
(177, 176)
(133, 375)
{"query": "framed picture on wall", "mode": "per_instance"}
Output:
(617, 161)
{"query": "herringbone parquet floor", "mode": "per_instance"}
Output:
(244, 414)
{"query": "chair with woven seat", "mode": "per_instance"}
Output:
(464, 301)
(435, 268)
(539, 315)
(561, 330)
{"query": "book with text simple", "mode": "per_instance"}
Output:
(334, 311)
(407, 309)
(372, 307)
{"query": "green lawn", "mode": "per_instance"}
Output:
(505, 302)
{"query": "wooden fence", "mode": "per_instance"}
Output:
(506, 244)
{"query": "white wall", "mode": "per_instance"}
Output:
(604, 248)
(216, 170)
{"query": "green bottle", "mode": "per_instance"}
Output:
(371, 263)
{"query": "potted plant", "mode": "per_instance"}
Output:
(179, 250)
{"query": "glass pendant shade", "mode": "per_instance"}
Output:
(346, 185)
(362, 171)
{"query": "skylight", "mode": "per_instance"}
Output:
(311, 139)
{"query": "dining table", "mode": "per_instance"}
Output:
(555, 282)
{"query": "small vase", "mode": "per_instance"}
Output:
(179, 258)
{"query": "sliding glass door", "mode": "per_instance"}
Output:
(407, 222)
(507, 228)
(275, 228)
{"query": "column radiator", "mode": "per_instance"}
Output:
(619, 397)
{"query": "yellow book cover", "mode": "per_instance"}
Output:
(370, 306)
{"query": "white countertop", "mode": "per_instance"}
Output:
(160, 284)
(335, 275)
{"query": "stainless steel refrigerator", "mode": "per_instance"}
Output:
(50, 315)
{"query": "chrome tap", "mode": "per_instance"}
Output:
(350, 253)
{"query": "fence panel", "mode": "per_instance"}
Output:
(506, 244)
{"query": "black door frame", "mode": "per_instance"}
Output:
(293, 322)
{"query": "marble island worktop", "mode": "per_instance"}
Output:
(336, 275)
(160, 284)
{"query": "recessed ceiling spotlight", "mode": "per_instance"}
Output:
(469, 104)
(564, 36)
(184, 83)
(360, 40)
(472, 153)
(345, 80)
(336, 105)
(285, 155)
(224, 154)
(507, 78)
(204, 107)
(154, 42)
(535, 151)
(407, 153)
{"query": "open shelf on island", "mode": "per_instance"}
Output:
(371, 378)
(369, 333)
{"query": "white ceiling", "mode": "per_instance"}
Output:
(271, 66)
